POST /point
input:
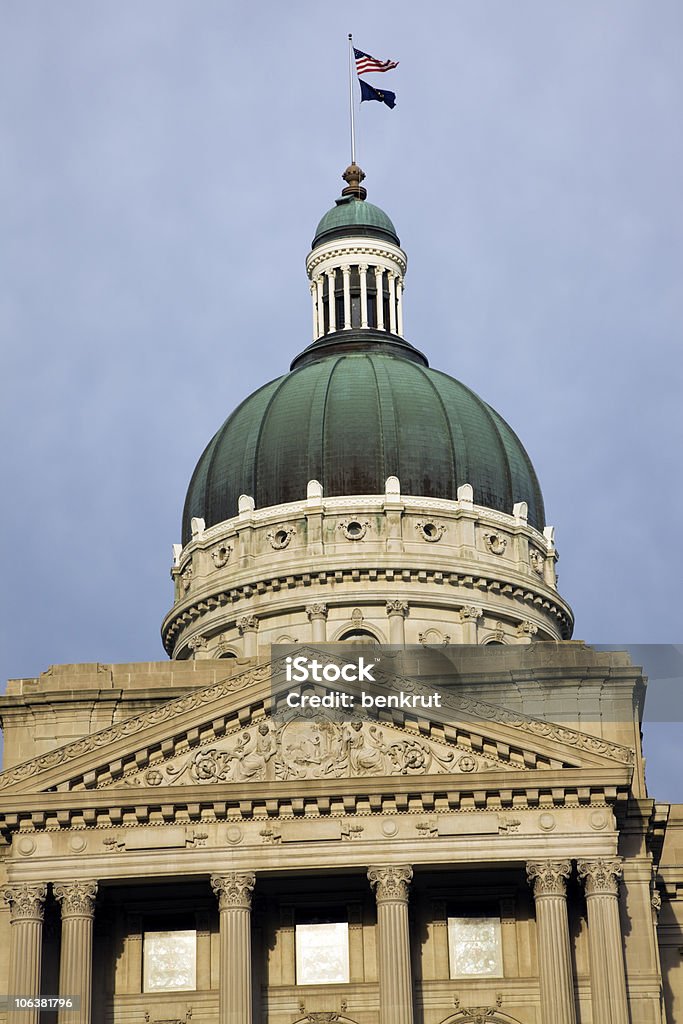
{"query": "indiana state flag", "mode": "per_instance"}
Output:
(368, 92)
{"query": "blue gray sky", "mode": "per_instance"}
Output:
(162, 171)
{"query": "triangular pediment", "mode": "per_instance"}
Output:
(240, 731)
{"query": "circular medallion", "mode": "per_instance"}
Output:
(389, 827)
(26, 846)
(547, 822)
(234, 834)
(78, 843)
(598, 820)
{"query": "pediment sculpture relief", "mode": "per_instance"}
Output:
(301, 749)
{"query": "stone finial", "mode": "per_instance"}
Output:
(245, 504)
(465, 492)
(520, 510)
(314, 490)
(197, 526)
(177, 551)
(353, 176)
(392, 486)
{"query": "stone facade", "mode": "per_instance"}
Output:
(486, 865)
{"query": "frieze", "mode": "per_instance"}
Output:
(302, 749)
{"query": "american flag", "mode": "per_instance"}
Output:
(366, 63)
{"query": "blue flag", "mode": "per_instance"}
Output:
(367, 92)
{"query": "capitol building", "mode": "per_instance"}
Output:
(181, 846)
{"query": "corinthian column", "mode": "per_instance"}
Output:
(317, 614)
(548, 879)
(395, 977)
(26, 920)
(332, 303)
(346, 280)
(608, 978)
(77, 901)
(396, 612)
(248, 628)
(234, 891)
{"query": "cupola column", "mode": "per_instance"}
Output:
(363, 272)
(346, 272)
(392, 302)
(234, 890)
(395, 975)
(608, 979)
(379, 298)
(314, 302)
(321, 305)
(331, 303)
(26, 903)
(399, 306)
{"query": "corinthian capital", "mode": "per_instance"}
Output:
(248, 623)
(391, 883)
(601, 876)
(77, 898)
(397, 608)
(548, 877)
(234, 889)
(316, 611)
(25, 901)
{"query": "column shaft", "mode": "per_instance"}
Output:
(549, 880)
(331, 278)
(379, 297)
(346, 274)
(397, 611)
(395, 976)
(608, 977)
(363, 271)
(314, 302)
(392, 302)
(321, 306)
(399, 306)
(77, 901)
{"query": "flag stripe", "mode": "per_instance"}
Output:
(365, 63)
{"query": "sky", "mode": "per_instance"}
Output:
(162, 169)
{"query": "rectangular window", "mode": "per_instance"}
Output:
(170, 961)
(475, 947)
(322, 953)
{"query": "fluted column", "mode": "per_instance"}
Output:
(397, 611)
(346, 275)
(548, 879)
(331, 279)
(77, 901)
(321, 305)
(608, 978)
(363, 272)
(26, 903)
(379, 290)
(314, 302)
(399, 306)
(234, 890)
(392, 302)
(395, 976)
(248, 628)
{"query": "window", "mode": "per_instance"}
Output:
(322, 950)
(474, 946)
(170, 961)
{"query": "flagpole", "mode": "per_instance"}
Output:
(353, 123)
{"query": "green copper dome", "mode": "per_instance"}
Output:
(352, 415)
(354, 216)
